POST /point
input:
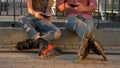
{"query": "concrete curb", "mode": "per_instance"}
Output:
(107, 37)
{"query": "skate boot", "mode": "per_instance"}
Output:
(47, 50)
(84, 47)
(26, 44)
(90, 43)
(96, 47)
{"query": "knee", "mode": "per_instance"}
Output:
(57, 34)
(80, 22)
(21, 18)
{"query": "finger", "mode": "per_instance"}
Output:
(75, 8)
(40, 17)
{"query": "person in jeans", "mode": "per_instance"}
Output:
(79, 18)
(37, 24)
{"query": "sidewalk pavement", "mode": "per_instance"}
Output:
(32, 60)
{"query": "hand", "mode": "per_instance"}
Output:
(67, 5)
(80, 7)
(49, 17)
(37, 15)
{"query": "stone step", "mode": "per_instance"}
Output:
(107, 50)
(107, 37)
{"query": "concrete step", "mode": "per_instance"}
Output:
(107, 37)
(107, 50)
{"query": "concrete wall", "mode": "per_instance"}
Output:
(107, 37)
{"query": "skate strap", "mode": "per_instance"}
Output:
(50, 54)
(50, 47)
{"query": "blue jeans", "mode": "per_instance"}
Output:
(33, 26)
(81, 28)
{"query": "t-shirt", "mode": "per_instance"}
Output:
(73, 11)
(40, 5)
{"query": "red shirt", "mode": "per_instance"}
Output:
(73, 11)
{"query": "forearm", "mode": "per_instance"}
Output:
(29, 7)
(88, 9)
(32, 12)
(48, 9)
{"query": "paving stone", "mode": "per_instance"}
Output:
(38, 65)
(111, 66)
(59, 65)
(3, 58)
(118, 66)
(101, 66)
(6, 61)
(22, 65)
(90, 65)
(5, 65)
(80, 65)
(57, 62)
